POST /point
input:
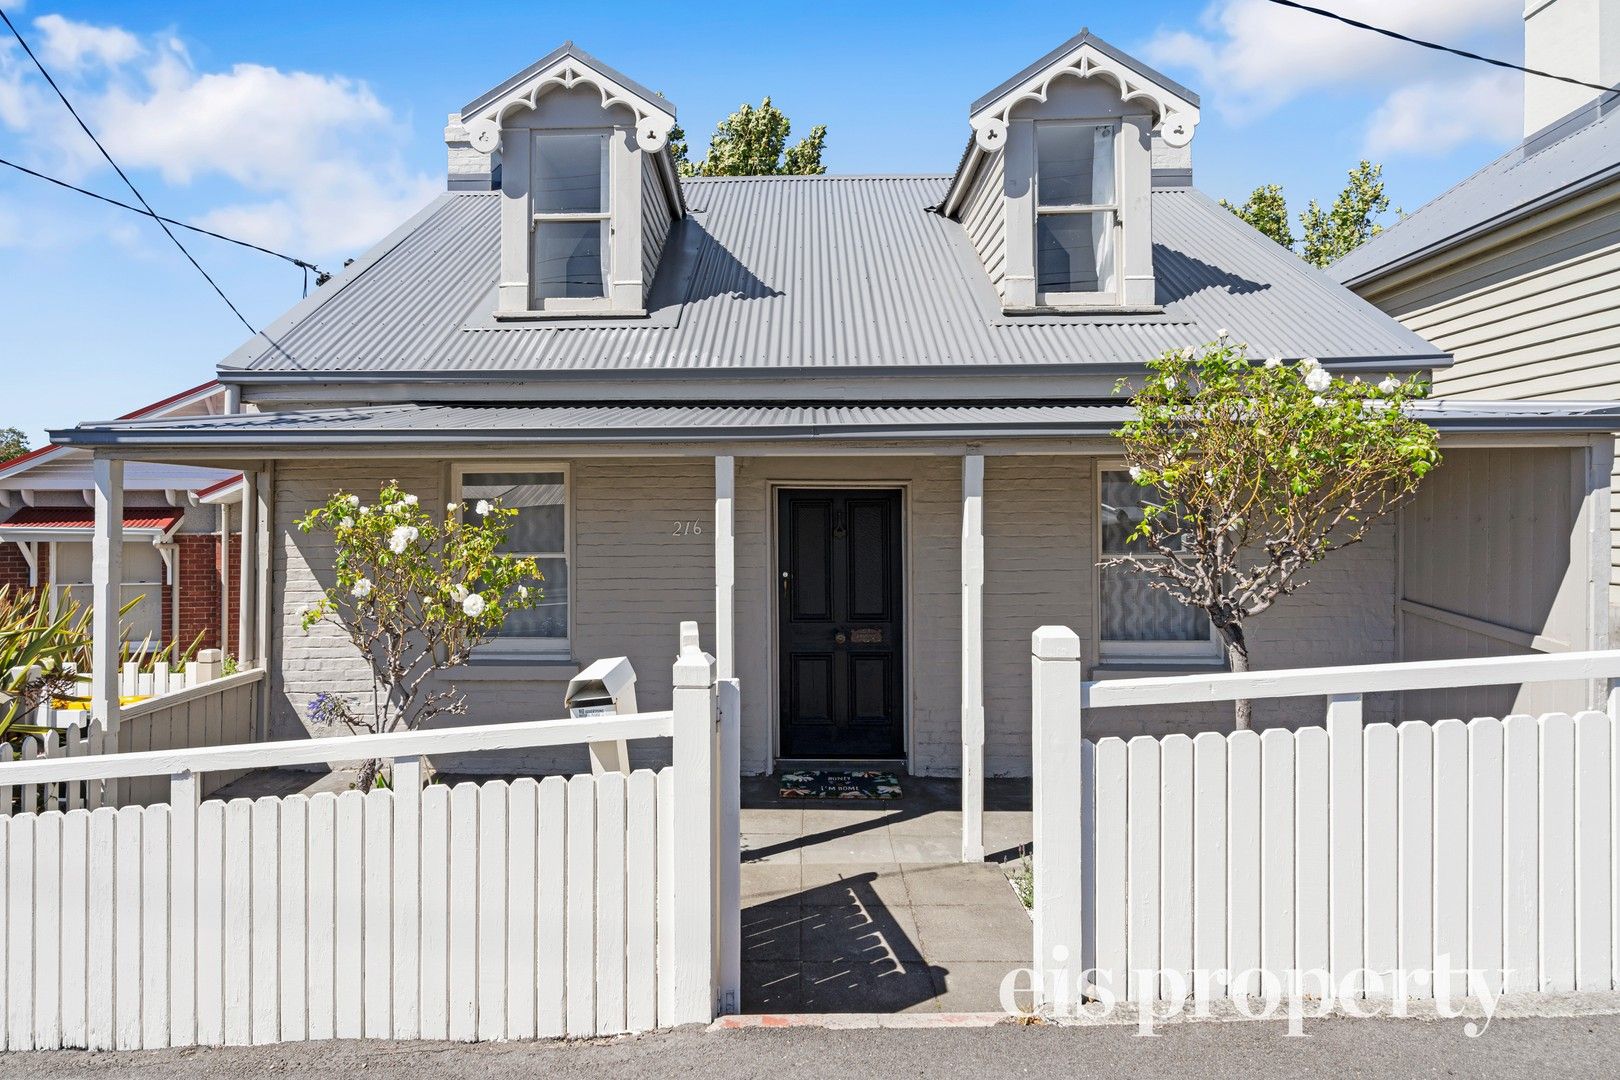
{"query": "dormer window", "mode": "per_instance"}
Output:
(572, 222)
(1077, 214)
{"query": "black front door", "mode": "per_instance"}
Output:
(841, 599)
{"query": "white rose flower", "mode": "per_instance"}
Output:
(364, 510)
(1274, 362)
(483, 508)
(400, 539)
(1389, 385)
(459, 593)
(451, 507)
(522, 592)
(1319, 401)
(1318, 379)
(411, 500)
(473, 605)
(1222, 334)
(346, 523)
(1136, 473)
(361, 589)
(1169, 382)
(353, 500)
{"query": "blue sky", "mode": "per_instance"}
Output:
(315, 128)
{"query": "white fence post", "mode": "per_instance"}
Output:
(1059, 803)
(182, 973)
(1345, 875)
(693, 812)
(728, 849)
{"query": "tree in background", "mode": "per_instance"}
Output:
(13, 443)
(1267, 210)
(753, 142)
(1331, 233)
(1252, 472)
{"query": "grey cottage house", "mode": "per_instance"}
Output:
(859, 427)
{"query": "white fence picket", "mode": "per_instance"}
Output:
(1243, 886)
(1209, 853)
(492, 915)
(610, 904)
(1312, 909)
(551, 943)
(1380, 892)
(320, 880)
(1594, 822)
(1276, 852)
(1415, 797)
(1142, 871)
(1450, 844)
(435, 907)
(1486, 775)
(377, 990)
(1110, 904)
(1557, 899)
(463, 918)
(581, 909)
(522, 883)
(1521, 815)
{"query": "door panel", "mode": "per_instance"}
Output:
(839, 568)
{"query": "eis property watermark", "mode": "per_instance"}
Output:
(1159, 996)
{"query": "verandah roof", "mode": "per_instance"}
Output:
(455, 424)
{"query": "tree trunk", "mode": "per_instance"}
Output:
(1237, 660)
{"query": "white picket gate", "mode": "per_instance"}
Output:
(575, 906)
(1490, 846)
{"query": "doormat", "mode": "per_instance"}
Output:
(840, 784)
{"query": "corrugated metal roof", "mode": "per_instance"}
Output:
(811, 274)
(1571, 156)
(398, 426)
(70, 517)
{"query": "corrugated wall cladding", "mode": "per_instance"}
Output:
(814, 273)
(654, 220)
(985, 218)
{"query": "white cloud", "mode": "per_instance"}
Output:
(71, 46)
(1436, 117)
(304, 162)
(1252, 56)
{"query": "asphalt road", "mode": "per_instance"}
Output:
(1554, 1047)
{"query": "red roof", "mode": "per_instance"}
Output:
(72, 517)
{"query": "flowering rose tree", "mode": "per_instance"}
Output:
(416, 594)
(1257, 470)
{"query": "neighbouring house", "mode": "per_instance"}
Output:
(1514, 269)
(859, 427)
(179, 545)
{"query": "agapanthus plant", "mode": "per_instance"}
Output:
(416, 593)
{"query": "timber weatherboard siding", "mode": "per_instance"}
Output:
(1535, 317)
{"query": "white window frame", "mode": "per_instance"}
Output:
(1138, 652)
(1114, 296)
(529, 648)
(603, 217)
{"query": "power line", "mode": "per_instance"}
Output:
(147, 213)
(1359, 25)
(162, 224)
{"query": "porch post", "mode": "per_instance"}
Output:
(265, 491)
(725, 565)
(244, 576)
(1599, 540)
(106, 577)
(973, 658)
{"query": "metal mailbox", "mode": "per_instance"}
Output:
(606, 688)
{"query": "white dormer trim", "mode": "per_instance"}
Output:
(1176, 116)
(653, 124)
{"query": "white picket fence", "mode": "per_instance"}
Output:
(1357, 851)
(216, 710)
(581, 906)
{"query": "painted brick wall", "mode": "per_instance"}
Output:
(639, 570)
(14, 568)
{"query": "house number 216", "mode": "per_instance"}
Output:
(687, 528)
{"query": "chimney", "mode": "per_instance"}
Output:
(1577, 38)
(470, 169)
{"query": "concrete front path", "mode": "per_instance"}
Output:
(865, 906)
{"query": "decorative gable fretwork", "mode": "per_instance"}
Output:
(653, 122)
(1176, 116)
